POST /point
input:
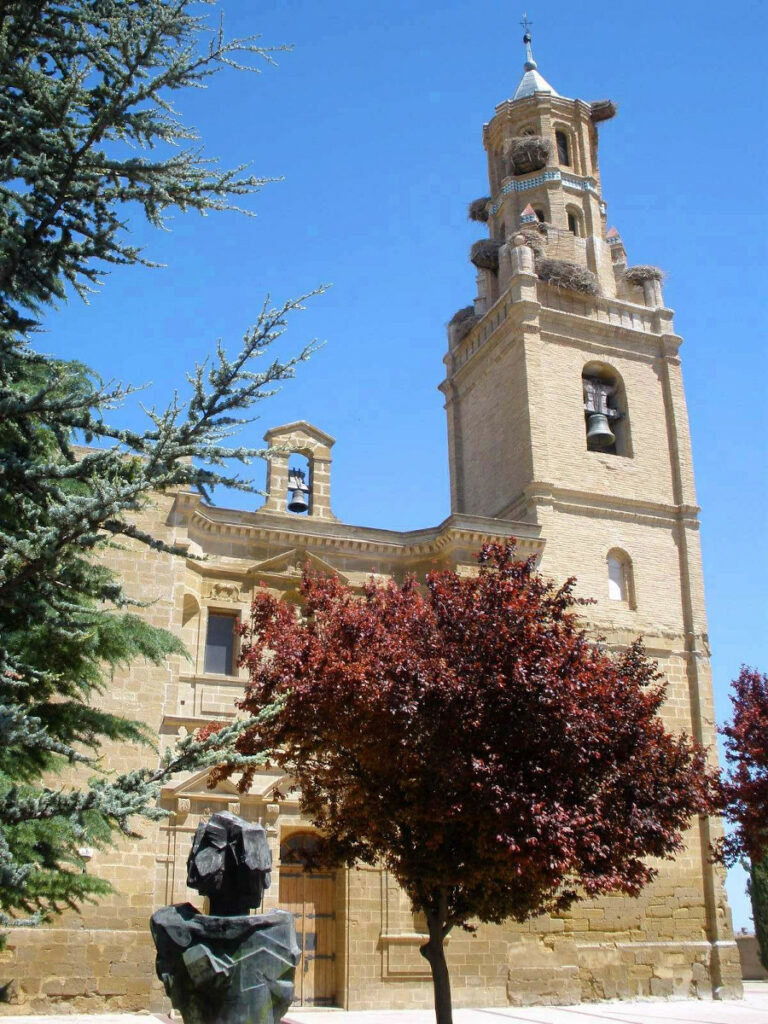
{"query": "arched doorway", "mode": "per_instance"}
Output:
(309, 896)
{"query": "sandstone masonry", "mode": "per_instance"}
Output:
(528, 459)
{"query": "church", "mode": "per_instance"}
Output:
(568, 430)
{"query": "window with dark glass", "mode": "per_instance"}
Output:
(220, 644)
(573, 224)
(563, 149)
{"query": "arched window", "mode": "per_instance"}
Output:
(574, 220)
(298, 847)
(606, 418)
(563, 149)
(620, 582)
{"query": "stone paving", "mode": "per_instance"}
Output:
(752, 1009)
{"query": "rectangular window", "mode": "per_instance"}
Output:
(220, 644)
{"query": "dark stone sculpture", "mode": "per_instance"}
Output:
(227, 967)
(230, 863)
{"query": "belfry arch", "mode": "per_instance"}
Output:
(299, 438)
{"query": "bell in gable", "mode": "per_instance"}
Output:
(599, 433)
(298, 492)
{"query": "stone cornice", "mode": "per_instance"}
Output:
(647, 332)
(658, 643)
(517, 110)
(549, 177)
(205, 522)
(613, 505)
(504, 313)
(612, 319)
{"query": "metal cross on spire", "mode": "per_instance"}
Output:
(530, 63)
(531, 82)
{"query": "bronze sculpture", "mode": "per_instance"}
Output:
(227, 966)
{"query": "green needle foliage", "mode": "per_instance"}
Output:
(86, 127)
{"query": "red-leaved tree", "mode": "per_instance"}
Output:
(745, 791)
(472, 739)
(745, 785)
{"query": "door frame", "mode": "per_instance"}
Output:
(294, 868)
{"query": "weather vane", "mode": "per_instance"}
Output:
(526, 24)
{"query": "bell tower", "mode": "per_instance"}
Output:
(565, 406)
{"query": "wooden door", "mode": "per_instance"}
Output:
(309, 896)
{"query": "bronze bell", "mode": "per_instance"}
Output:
(298, 498)
(599, 433)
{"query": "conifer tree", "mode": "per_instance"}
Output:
(87, 127)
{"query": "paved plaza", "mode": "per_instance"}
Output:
(752, 1009)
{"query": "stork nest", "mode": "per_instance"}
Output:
(463, 320)
(478, 209)
(527, 153)
(564, 274)
(485, 254)
(602, 110)
(533, 239)
(640, 274)
(465, 313)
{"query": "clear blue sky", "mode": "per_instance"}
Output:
(374, 120)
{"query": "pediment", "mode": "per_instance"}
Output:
(265, 783)
(291, 563)
(195, 784)
(302, 429)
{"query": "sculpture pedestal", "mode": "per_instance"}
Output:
(226, 970)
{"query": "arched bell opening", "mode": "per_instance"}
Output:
(606, 416)
(299, 470)
(299, 493)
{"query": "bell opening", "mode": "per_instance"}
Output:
(299, 497)
(605, 415)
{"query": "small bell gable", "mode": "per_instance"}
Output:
(289, 490)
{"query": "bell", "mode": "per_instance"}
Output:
(298, 499)
(599, 433)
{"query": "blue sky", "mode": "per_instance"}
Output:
(374, 120)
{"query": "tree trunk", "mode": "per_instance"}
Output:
(434, 952)
(758, 892)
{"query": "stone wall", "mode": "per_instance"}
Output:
(751, 965)
(103, 959)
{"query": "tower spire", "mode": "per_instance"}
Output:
(530, 63)
(531, 82)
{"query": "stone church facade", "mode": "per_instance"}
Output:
(567, 430)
